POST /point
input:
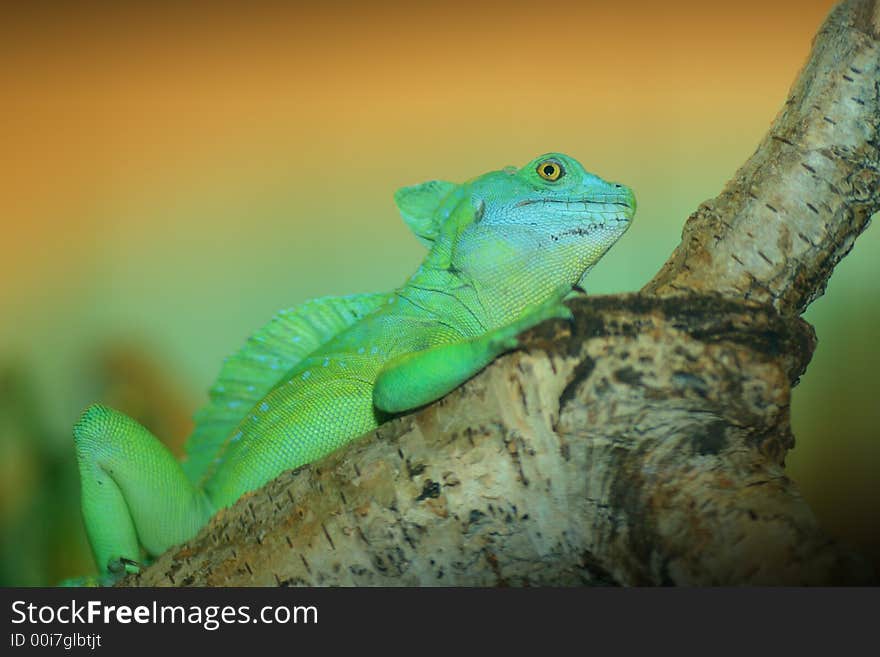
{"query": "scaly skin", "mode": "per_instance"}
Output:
(505, 250)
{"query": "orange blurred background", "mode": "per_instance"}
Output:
(170, 179)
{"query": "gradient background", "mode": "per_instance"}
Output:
(169, 180)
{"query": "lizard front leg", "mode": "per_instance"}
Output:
(420, 377)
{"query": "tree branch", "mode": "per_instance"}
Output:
(645, 443)
(794, 209)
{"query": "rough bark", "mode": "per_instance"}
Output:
(795, 208)
(642, 444)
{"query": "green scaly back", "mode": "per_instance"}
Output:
(250, 373)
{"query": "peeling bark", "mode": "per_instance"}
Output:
(642, 444)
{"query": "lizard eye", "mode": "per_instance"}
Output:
(550, 170)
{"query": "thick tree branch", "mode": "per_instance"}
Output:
(795, 208)
(645, 443)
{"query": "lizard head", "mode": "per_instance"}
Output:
(545, 224)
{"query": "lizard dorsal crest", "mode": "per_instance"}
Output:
(419, 206)
(251, 372)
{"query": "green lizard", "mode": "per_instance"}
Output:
(506, 249)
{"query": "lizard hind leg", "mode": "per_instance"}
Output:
(134, 492)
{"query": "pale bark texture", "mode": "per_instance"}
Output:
(642, 444)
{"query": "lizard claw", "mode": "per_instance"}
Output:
(124, 566)
(565, 313)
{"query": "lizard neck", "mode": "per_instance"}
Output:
(448, 296)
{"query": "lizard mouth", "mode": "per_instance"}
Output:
(616, 207)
